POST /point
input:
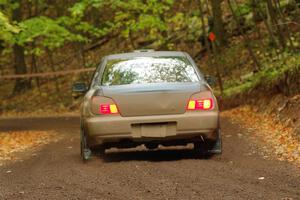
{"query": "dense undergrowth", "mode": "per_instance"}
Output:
(281, 70)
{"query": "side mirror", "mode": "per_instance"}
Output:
(211, 80)
(79, 88)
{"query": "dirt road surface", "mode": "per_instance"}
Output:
(56, 171)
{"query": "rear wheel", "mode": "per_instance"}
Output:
(201, 149)
(205, 148)
(98, 150)
(85, 151)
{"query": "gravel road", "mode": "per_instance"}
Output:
(56, 171)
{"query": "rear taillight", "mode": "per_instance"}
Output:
(200, 104)
(101, 105)
(108, 109)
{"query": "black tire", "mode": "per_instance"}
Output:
(201, 149)
(98, 150)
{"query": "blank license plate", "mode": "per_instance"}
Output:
(154, 130)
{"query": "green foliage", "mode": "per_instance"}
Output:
(85, 27)
(242, 10)
(7, 29)
(8, 5)
(150, 19)
(188, 25)
(79, 9)
(46, 33)
(77, 22)
(142, 18)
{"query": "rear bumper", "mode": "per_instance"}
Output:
(104, 129)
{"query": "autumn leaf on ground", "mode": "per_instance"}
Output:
(284, 145)
(19, 141)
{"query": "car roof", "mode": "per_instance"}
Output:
(146, 54)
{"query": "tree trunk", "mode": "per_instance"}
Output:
(50, 56)
(33, 12)
(219, 29)
(206, 42)
(19, 57)
(216, 64)
(297, 4)
(34, 68)
(274, 23)
(256, 17)
(282, 23)
(246, 40)
(269, 28)
(131, 40)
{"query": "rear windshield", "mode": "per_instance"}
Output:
(142, 70)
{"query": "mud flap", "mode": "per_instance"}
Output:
(85, 152)
(217, 148)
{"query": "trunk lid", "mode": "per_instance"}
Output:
(152, 99)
